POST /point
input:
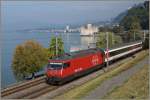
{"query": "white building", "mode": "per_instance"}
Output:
(88, 30)
(67, 27)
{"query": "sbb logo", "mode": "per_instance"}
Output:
(95, 60)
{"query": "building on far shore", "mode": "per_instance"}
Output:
(88, 30)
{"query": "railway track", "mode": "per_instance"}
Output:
(39, 93)
(22, 86)
(28, 90)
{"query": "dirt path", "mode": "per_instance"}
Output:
(118, 80)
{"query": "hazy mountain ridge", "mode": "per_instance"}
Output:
(141, 11)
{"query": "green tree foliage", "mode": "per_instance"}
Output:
(28, 58)
(104, 29)
(128, 20)
(117, 29)
(135, 25)
(132, 25)
(134, 30)
(113, 40)
(52, 47)
(140, 12)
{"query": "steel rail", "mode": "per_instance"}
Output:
(39, 93)
(22, 86)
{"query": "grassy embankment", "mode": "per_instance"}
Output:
(137, 87)
(82, 90)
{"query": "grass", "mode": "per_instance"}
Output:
(137, 87)
(82, 90)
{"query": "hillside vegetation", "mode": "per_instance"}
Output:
(138, 13)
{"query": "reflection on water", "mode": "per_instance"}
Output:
(88, 41)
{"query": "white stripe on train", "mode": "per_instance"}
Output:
(123, 47)
(122, 54)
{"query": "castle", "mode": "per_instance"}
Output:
(88, 30)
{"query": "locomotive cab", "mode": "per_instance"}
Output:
(55, 71)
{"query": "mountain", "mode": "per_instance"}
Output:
(139, 11)
(119, 17)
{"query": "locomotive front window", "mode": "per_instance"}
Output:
(55, 66)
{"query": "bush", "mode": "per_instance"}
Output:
(113, 40)
(52, 47)
(29, 57)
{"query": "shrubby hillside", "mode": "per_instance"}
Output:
(138, 13)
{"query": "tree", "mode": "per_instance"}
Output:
(140, 11)
(29, 57)
(101, 42)
(113, 40)
(132, 25)
(117, 29)
(104, 29)
(127, 21)
(52, 47)
(134, 30)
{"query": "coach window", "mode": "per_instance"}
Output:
(66, 65)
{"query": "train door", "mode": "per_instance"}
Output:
(65, 69)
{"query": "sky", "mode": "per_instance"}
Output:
(36, 14)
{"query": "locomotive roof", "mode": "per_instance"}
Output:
(80, 53)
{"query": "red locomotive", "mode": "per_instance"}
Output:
(75, 64)
(69, 66)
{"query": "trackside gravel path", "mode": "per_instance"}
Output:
(118, 80)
